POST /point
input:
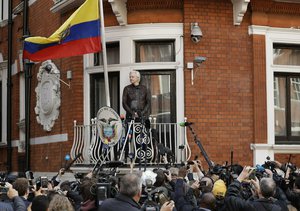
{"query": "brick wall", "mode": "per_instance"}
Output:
(221, 100)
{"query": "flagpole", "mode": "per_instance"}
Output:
(104, 56)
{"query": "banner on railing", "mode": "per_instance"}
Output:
(109, 126)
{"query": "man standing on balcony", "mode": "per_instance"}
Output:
(136, 99)
(136, 102)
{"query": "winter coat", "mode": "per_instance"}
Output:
(120, 203)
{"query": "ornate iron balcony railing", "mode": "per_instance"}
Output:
(161, 143)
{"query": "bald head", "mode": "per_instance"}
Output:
(267, 187)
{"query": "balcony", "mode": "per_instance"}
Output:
(162, 143)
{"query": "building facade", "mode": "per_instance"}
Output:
(239, 83)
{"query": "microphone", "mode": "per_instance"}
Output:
(184, 124)
(67, 158)
(71, 163)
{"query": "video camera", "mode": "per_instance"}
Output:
(152, 197)
(3, 188)
(103, 192)
(107, 180)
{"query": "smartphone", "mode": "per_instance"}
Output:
(190, 176)
(29, 176)
(44, 182)
(253, 174)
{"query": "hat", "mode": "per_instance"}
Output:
(219, 189)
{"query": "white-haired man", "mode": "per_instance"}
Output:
(129, 196)
(136, 98)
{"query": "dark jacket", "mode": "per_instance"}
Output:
(184, 198)
(234, 202)
(26, 202)
(136, 99)
(265, 205)
(294, 198)
(17, 204)
(5, 206)
(75, 199)
(120, 203)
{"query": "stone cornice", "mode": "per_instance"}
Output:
(154, 4)
(270, 6)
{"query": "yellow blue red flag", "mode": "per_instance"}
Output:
(80, 34)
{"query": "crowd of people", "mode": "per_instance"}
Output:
(270, 187)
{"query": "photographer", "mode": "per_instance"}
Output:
(57, 178)
(164, 182)
(16, 203)
(74, 197)
(22, 186)
(293, 195)
(264, 189)
(129, 196)
(88, 193)
(184, 194)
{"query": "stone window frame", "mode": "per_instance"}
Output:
(127, 37)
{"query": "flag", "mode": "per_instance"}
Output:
(80, 34)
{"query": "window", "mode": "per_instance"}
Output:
(162, 85)
(155, 51)
(287, 115)
(3, 10)
(98, 95)
(286, 54)
(113, 54)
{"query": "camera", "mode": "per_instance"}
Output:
(103, 192)
(3, 190)
(203, 183)
(196, 33)
(199, 59)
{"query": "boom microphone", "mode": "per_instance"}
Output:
(184, 124)
(71, 163)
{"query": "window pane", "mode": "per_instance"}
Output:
(284, 54)
(1, 111)
(98, 95)
(160, 87)
(113, 54)
(280, 106)
(295, 106)
(3, 10)
(158, 51)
